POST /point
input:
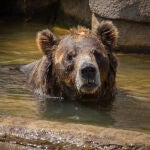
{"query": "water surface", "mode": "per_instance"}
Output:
(131, 109)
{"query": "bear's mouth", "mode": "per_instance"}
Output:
(89, 88)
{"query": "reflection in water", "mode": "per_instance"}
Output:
(75, 112)
(125, 112)
(130, 110)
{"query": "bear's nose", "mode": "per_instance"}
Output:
(88, 71)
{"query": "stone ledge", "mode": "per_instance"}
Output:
(134, 10)
(58, 135)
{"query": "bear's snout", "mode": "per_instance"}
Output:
(88, 71)
(88, 75)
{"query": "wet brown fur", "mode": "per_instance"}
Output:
(47, 78)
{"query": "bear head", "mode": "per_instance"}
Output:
(81, 63)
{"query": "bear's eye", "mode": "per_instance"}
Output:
(98, 56)
(69, 57)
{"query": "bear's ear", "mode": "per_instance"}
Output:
(46, 41)
(108, 34)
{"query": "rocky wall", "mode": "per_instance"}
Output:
(132, 19)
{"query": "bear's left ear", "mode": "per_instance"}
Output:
(108, 34)
(46, 41)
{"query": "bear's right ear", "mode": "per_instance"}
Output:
(108, 34)
(46, 41)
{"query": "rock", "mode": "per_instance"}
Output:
(135, 10)
(132, 18)
(57, 135)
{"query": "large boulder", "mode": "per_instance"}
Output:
(132, 19)
(135, 10)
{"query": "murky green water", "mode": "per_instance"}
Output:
(131, 109)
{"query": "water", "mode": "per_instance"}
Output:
(131, 109)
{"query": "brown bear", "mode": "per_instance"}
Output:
(77, 66)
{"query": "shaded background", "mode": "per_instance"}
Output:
(77, 11)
